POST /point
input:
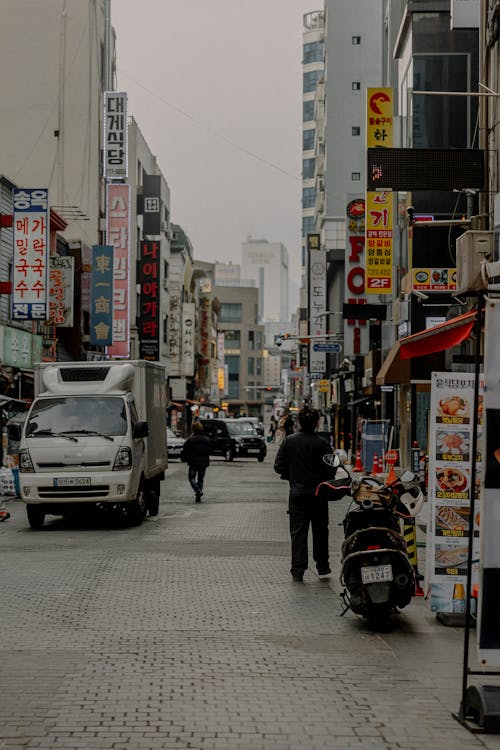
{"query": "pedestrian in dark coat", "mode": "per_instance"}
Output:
(196, 453)
(300, 460)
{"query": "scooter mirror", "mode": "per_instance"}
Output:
(331, 460)
(407, 476)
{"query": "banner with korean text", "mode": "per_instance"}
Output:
(379, 204)
(101, 309)
(149, 314)
(450, 488)
(61, 291)
(187, 361)
(317, 301)
(115, 160)
(118, 235)
(355, 330)
(30, 254)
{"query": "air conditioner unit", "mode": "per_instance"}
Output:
(473, 247)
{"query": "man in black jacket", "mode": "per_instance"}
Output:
(299, 460)
(196, 453)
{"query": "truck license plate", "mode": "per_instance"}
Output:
(376, 573)
(72, 481)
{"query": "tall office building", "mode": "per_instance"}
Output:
(313, 61)
(267, 264)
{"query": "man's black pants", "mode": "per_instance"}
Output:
(305, 510)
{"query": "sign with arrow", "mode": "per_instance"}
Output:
(332, 348)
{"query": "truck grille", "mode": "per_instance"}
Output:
(73, 374)
(83, 464)
(60, 493)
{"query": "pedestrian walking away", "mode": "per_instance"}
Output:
(196, 453)
(300, 461)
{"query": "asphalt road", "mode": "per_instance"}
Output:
(188, 632)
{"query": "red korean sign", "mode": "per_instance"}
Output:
(355, 331)
(118, 235)
(61, 288)
(379, 242)
(149, 315)
(30, 254)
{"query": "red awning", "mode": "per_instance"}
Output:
(438, 338)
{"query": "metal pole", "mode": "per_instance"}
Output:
(468, 593)
(107, 77)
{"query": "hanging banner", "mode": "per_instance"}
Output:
(379, 204)
(449, 489)
(317, 306)
(151, 216)
(149, 314)
(61, 291)
(187, 363)
(118, 235)
(101, 309)
(488, 630)
(355, 331)
(30, 254)
(379, 239)
(115, 163)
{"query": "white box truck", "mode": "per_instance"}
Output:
(95, 434)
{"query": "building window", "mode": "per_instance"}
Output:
(230, 312)
(251, 340)
(355, 176)
(308, 139)
(311, 78)
(258, 364)
(165, 329)
(313, 52)
(308, 167)
(251, 366)
(308, 197)
(307, 225)
(233, 370)
(231, 339)
(356, 85)
(308, 110)
(355, 130)
(356, 40)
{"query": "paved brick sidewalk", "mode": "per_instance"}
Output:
(188, 632)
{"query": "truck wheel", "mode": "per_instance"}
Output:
(36, 516)
(136, 510)
(262, 457)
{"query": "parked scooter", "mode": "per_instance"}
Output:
(376, 573)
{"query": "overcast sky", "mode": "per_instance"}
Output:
(215, 86)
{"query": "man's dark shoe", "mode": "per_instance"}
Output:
(197, 497)
(298, 578)
(324, 572)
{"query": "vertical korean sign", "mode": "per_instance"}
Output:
(449, 488)
(149, 315)
(187, 366)
(317, 301)
(30, 255)
(101, 307)
(379, 204)
(115, 135)
(355, 331)
(118, 235)
(61, 291)
(488, 630)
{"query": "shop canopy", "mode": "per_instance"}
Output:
(396, 366)
(438, 338)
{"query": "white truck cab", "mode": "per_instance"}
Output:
(95, 434)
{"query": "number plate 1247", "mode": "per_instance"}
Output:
(376, 573)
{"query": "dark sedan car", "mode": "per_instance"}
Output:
(234, 438)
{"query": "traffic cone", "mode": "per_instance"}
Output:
(391, 477)
(375, 467)
(358, 466)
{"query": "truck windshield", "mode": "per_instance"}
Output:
(101, 415)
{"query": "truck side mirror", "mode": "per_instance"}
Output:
(14, 432)
(141, 430)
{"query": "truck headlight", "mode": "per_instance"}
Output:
(123, 459)
(25, 463)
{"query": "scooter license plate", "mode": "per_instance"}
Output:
(376, 573)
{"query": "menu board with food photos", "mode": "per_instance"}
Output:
(449, 490)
